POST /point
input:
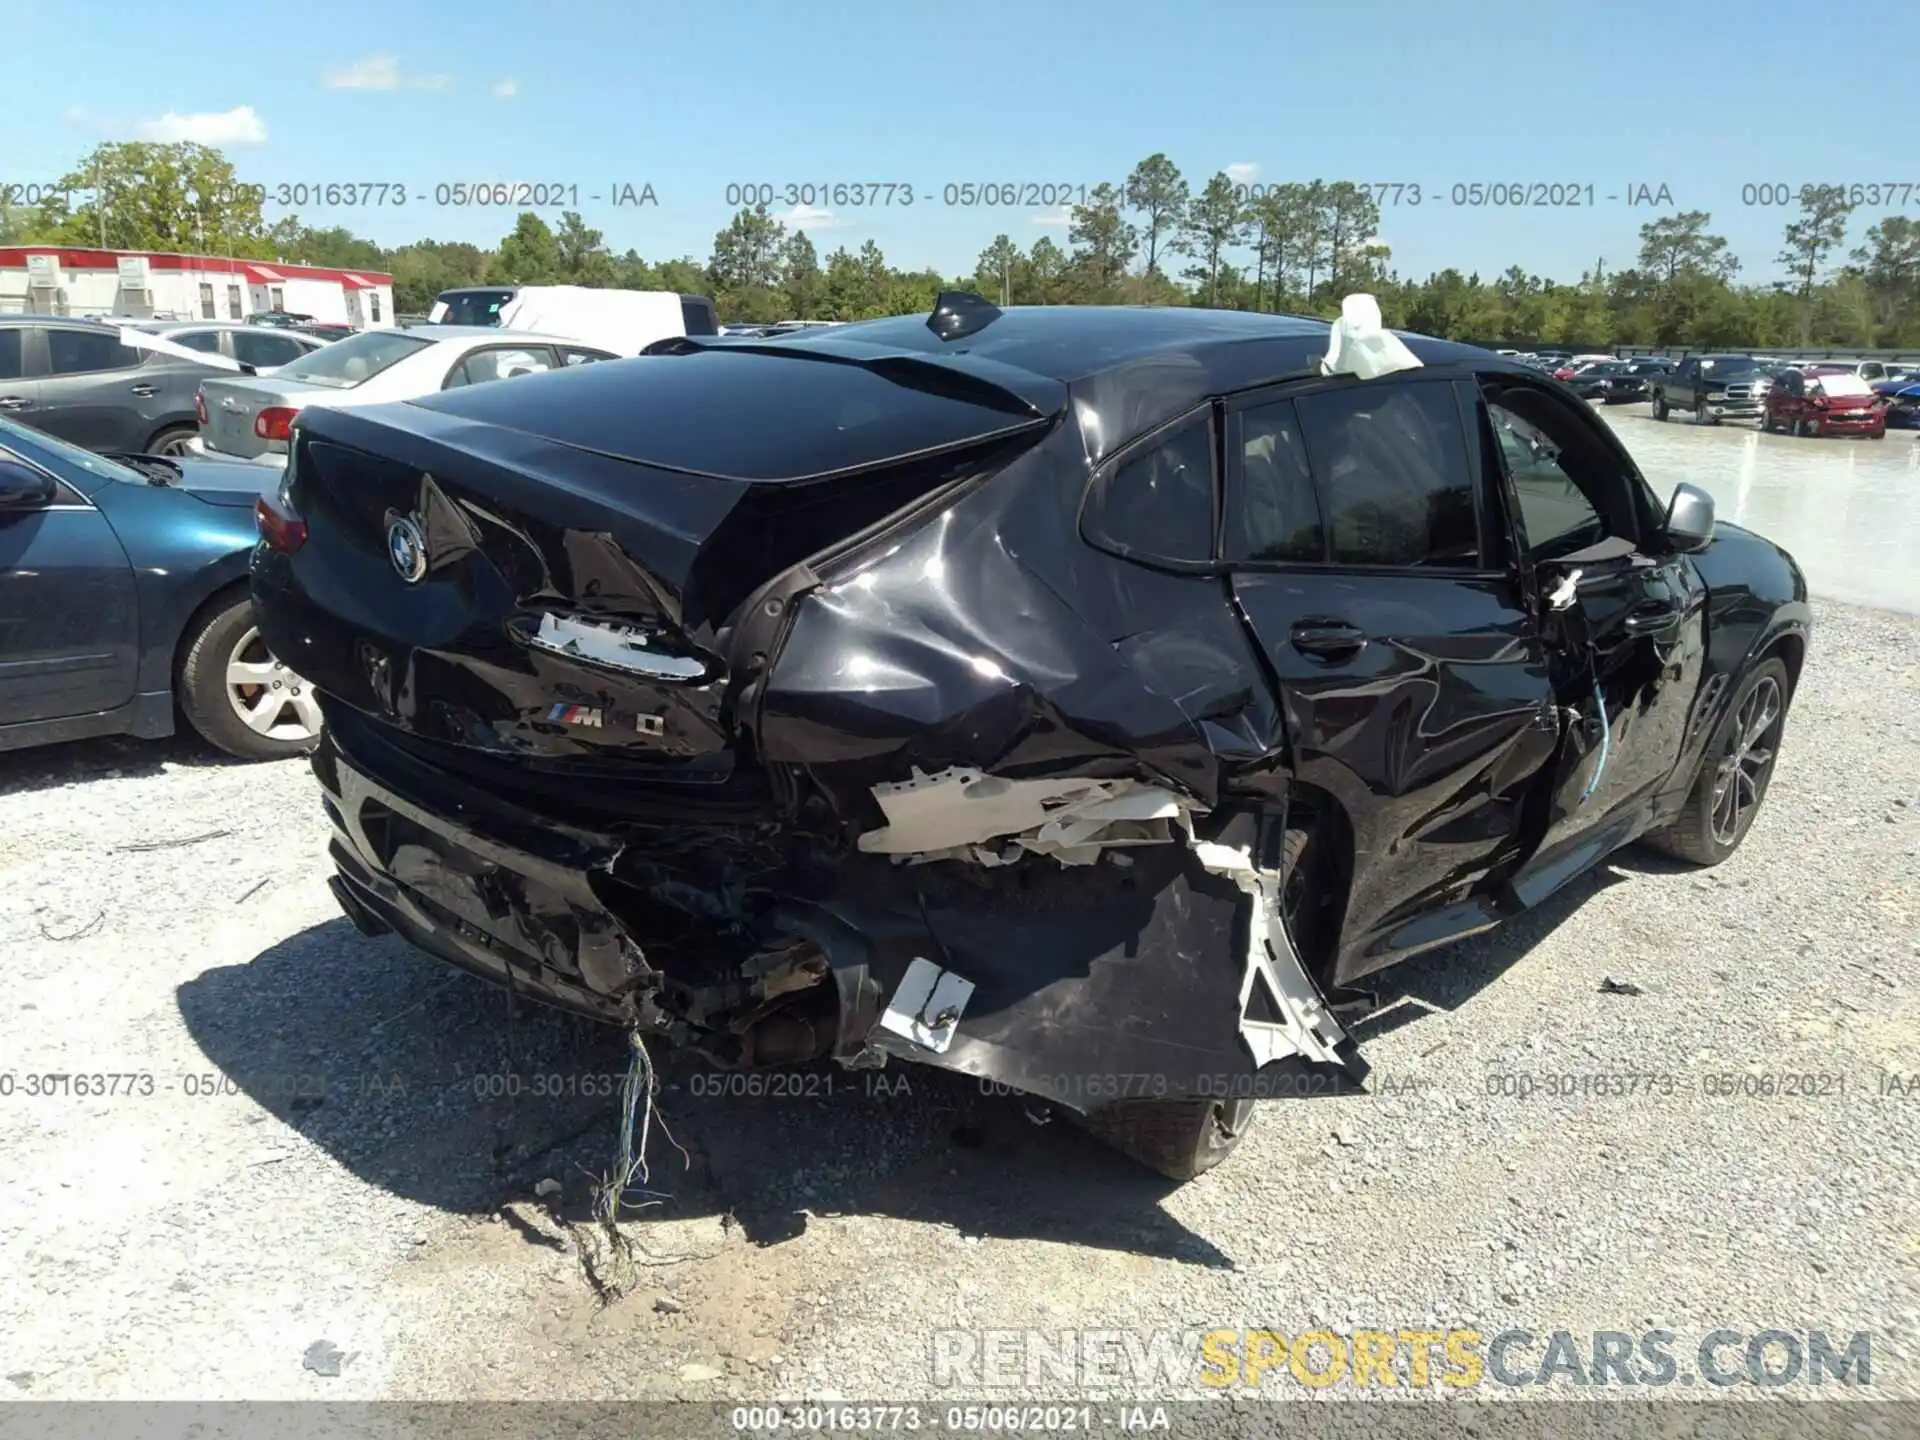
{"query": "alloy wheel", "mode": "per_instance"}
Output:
(268, 697)
(176, 446)
(1742, 777)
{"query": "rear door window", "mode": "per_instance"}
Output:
(570, 355)
(1390, 462)
(1273, 513)
(79, 352)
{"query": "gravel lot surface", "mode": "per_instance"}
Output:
(312, 1193)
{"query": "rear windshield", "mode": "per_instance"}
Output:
(470, 307)
(691, 412)
(1731, 364)
(354, 360)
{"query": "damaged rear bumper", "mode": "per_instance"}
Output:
(1163, 975)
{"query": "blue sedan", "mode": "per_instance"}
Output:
(1901, 390)
(123, 601)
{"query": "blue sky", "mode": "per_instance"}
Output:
(691, 98)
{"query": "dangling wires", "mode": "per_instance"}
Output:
(636, 1126)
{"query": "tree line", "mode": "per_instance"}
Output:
(1154, 239)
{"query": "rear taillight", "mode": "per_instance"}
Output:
(274, 423)
(281, 531)
(200, 406)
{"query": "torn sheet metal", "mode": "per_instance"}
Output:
(1274, 983)
(1361, 345)
(957, 813)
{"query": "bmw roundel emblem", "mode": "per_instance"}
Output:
(407, 548)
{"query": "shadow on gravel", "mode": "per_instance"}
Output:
(49, 766)
(420, 1079)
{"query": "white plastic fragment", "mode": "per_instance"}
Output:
(1305, 1026)
(964, 814)
(927, 1005)
(1361, 345)
(142, 340)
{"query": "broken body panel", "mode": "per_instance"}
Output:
(832, 736)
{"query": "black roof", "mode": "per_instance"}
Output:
(881, 389)
(1072, 342)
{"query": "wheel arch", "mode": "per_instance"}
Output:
(216, 600)
(1329, 862)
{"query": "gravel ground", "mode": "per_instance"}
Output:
(310, 1192)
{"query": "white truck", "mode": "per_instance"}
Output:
(623, 321)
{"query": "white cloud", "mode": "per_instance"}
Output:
(1054, 215)
(505, 89)
(809, 217)
(381, 71)
(1244, 172)
(238, 126)
(370, 72)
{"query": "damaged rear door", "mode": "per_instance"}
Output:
(1369, 560)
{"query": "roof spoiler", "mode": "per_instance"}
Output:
(960, 313)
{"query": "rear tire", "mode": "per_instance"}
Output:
(1183, 1138)
(173, 441)
(222, 642)
(1734, 772)
(1179, 1138)
(1659, 405)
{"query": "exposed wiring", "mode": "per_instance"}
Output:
(1606, 733)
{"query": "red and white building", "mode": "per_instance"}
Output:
(146, 285)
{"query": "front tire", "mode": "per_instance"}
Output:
(1659, 405)
(1734, 772)
(1701, 415)
(236, 694)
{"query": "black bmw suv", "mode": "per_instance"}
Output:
(1082, 699)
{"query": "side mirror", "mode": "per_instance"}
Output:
(1688, 527)
(23, 488)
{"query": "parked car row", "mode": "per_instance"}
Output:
(1820, 398)
(82, 380)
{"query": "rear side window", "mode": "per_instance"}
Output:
(207, 342)
(76, 352)
(503, 364)
(1158, 505)
(9, 354)
(256, 348)
(1390, 462)
(582, 357)
(696, 313)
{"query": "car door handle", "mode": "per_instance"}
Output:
(1328, 639)
(142, 388)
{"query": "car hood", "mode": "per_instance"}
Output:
(226, 482)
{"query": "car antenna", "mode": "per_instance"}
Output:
(960, 313)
